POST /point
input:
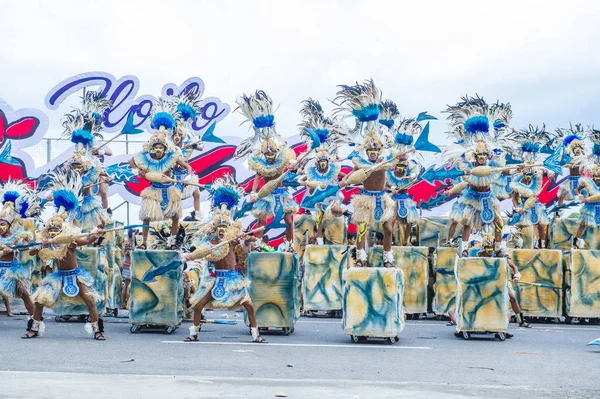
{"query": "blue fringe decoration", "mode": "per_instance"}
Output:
(163, 119)
(97, 118)
(530, 147)
(498, 124)
(389, 123)
(401, 138)
(66, 199)
(569, 139)
(82, 136)
(367, 114)
(264, 121)
(10, 196)
(186, 112)
(225, 195)
(23, 210)
(477, 124)
(596, 149)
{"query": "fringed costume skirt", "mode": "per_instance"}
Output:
(160, 202)
(63, 284)
(501, 187)
(228, 289)
(567, 189)
(475, 209)
(590, 214)
(11, 273)
(92, 213)
(406, 208)
(186, 189)
(535, 215)
(278, 201)
(372, 207)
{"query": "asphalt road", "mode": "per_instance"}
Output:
(317, 360)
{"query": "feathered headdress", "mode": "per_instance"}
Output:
(257, 108)
(361, 102)
(84, 125)
(594, 136)
(571, 139)
(469, 120)
(163, 115)
(500, 115)
(24, 201)
(66, 190)
(530, 141)
(187, 106)
(405, 133)
(225, 196)
(318, 129)
(388, 113)
(78, 158)
(159, 137)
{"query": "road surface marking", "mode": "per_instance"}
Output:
(360, 346)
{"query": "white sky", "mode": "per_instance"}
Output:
(541, 56)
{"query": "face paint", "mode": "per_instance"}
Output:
(271, 156)
(159, 150)
(53, 232)
(177, 138)
(77, 168)
(323, 164)
(373, 154)
(3, 227)
(488, 250)
(221, 231)
(481, 159)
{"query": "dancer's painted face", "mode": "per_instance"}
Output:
(221, 231)
(4, 226)
(481, 158)
(323, 164)
(53, 232)
(400, 169)
(597, 179)
(158, 150)
(77, 167)
(373, 154)
(489, 250)
(271, 156)
(177, 137)
(577, 151)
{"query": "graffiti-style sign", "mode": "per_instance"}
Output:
(123, 94)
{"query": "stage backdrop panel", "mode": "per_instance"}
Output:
(92, 260)
(433, 231)
(334, 231)
(482, 294)
(544, 267)
(563, 231)
(373, 302)
(156, 288)
(582, 278)
(274, 288)
(322, 280)
(413, 262)
(445, 280)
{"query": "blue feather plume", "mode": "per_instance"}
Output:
(389, 123)
(401, 138)
(368, 113)
(227, 196)
(163, 119)
(264, 121)
(82, 136)
(23, 209)
(10, 196)
(66, 199)
(477, 124)
(187, 113)
(569, 139)
(498, 124)
(530, 147)
(596, 149)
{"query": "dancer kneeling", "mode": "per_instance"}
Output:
(228, 289)
(59, 242)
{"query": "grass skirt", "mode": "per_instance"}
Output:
(11, 276)
(568, 187)
(364, 208)
(235, 290)
(186, 189)
(267, 205)
(501, 187)
(50, 290)
(536, 213)
(155, 209)
(92, 213)
(412, 214)
(588, 213)
(467, 209)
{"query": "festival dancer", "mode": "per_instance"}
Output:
(228, 289)
(162, 200)
(69, 280)
(487, 251)
(588, 192)
(19, 202)
(270, 158)
(372, 205)
(403, 176)
(126, 273)
(477, 207)
(527, 185)
(574, 158)
(188, 107)
(321, 175)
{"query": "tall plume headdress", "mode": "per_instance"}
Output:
(469, 120)
(83, 125)
(257, 108)
(361, 102)
(224, 196)
(574, 149)
(319, 130)
(19, 201)
(187, 106)
(530, 141)
(594, 136)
